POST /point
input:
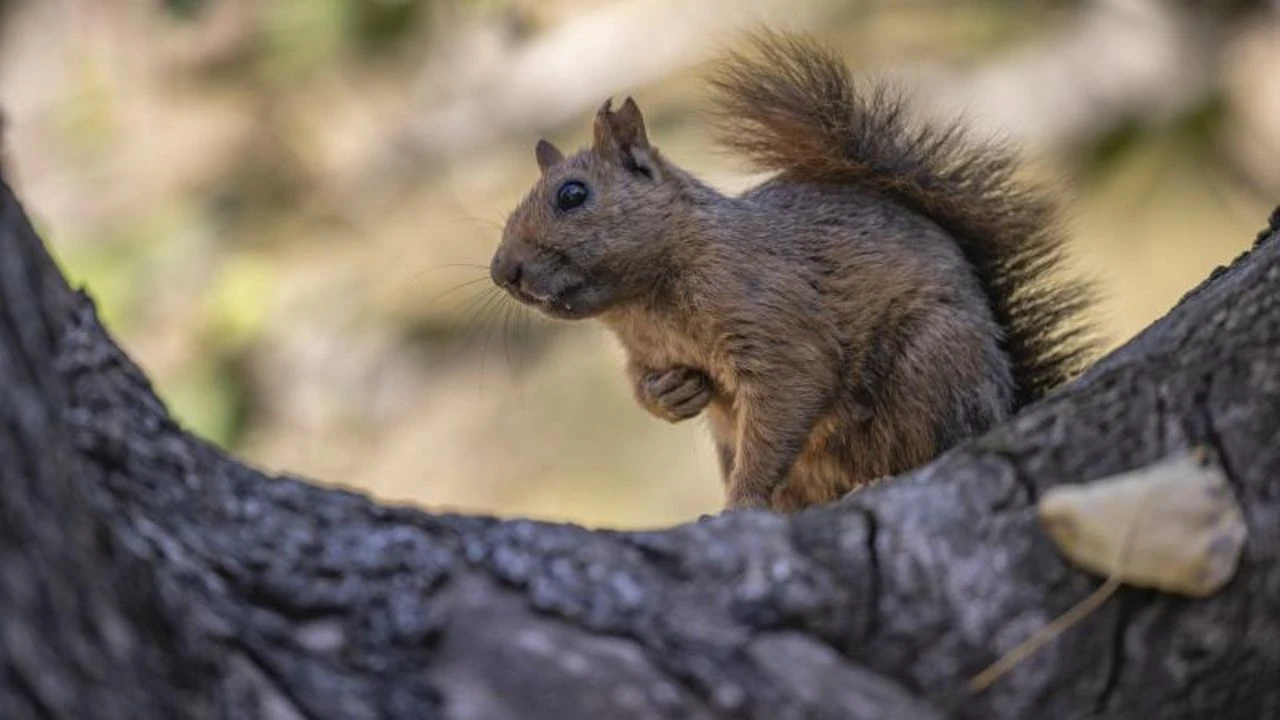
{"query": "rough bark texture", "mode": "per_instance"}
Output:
(144, 573)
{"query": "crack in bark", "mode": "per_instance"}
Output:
(1115, 654)
(874, 581)
(1221, 455)
(270, 682)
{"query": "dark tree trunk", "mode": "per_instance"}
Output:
(144, 573)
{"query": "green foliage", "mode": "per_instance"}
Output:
(377, 26)
(211, 400)
(1189, 135)
(117, 267)
(87, 121)
(301, 35)
(233, 312)
(121, 270)
(185, 9)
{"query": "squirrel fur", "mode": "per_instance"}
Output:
(887, 292)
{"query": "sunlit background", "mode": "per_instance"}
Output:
(284, 207)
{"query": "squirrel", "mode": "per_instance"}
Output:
(887, 292)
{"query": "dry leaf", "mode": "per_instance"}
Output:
(1185, 530)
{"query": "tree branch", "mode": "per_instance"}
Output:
(143, 573)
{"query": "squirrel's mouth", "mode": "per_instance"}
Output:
(563, 305)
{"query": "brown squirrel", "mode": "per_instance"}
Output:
(888, 292)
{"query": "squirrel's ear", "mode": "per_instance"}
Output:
(547, 155)
(620, 136)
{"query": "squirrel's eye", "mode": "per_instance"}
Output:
(571, 195)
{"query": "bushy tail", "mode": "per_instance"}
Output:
(791, 105)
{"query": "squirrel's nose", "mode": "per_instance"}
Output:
(506, 270)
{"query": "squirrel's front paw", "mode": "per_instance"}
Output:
(676, 393)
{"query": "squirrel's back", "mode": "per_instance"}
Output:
(792, 106)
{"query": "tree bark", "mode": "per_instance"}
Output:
(144, 573)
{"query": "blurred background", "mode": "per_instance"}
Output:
(284, 208)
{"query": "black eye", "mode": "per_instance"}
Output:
(571, 195)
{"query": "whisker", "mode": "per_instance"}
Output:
(485, 221)
(367, 306)
(474, 308)
(511, 329)
(489, 327)
(462, 286)
(482, 266)
(476, 323)
(469, 313)
(461, 213)
(506, 336)
(447, 266)
(498, 326)
(469, 318)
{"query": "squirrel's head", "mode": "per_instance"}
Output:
(589, 236)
